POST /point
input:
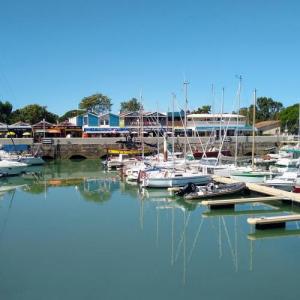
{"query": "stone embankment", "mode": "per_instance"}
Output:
(66, 148)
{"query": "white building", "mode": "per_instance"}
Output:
(207, 124)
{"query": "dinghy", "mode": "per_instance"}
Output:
(193, 192)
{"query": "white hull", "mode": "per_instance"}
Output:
(31, 160)
(172, 181)
(8, 168)
(251, 178)
(26, 159)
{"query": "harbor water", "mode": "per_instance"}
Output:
(74, 231)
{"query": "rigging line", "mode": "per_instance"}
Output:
(185, 132)
(228, 240)
(172, 239)
(182, 236)
(220, 239)
(199, 138)
(6, 81)
(223, 139)
(6, 219)
(195, 240)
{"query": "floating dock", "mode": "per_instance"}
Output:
(263, 189)
(232, 202)
(272, 222)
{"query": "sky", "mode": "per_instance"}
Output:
(54, 53)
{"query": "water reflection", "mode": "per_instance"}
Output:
(273, 234)
(189, 238)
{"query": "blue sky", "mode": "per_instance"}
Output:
(56, 52)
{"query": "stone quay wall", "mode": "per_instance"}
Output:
(66, 148)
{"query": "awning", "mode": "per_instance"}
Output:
(105, 130)
(211, 128)
(47, 130)
(26, 133)
(53, 130)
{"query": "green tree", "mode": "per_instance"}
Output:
(32, 114)
(204, 109)
(290, 117)
(5, 111)
(70, 114)
(267, 109)
(96, 103)
(131, 105)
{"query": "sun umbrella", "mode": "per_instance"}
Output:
(10, 133)
(27, 133)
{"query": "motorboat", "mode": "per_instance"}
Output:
(193, 192)
(254, 176)
(28, 159)
(8, 167)
(170, 178)
(285, 181)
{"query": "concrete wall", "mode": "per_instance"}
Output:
(65, 148)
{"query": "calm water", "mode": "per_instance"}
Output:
(90, 236)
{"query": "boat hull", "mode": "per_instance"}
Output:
(10, 171)
(251, 177)
(175, 181)
(224, 190)
(199, 154)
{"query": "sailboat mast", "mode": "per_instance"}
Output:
(185, 83)
(237, 120)
(253, 127)
(299, 125)
(173, 135)
(157, 121)
(221, 116)
(142, 126)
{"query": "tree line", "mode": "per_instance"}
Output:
(33, 113)
(266, 109)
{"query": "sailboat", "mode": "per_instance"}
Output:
(172, 177)
(250, 174)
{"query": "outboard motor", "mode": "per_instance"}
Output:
(187, 189)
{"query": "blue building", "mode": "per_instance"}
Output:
(86, 119)
(109, 119)
(91, 119)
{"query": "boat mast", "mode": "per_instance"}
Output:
(237, 120)
(142, 126)
(157, 121)
(221, 117)
(253, 128)
(299, 125)
(173, 135)
(213, 132)
(185, 83)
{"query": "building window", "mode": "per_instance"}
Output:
(85, 120)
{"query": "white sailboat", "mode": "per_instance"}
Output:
(251, 174)
(174, 178)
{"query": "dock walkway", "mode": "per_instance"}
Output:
(263, 189)
(276, 221)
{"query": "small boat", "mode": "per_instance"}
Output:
(252, 176)
(285, 181)
(193, 192)
(8, 168)
(29, 159)
(166, 179)
(211, 153)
